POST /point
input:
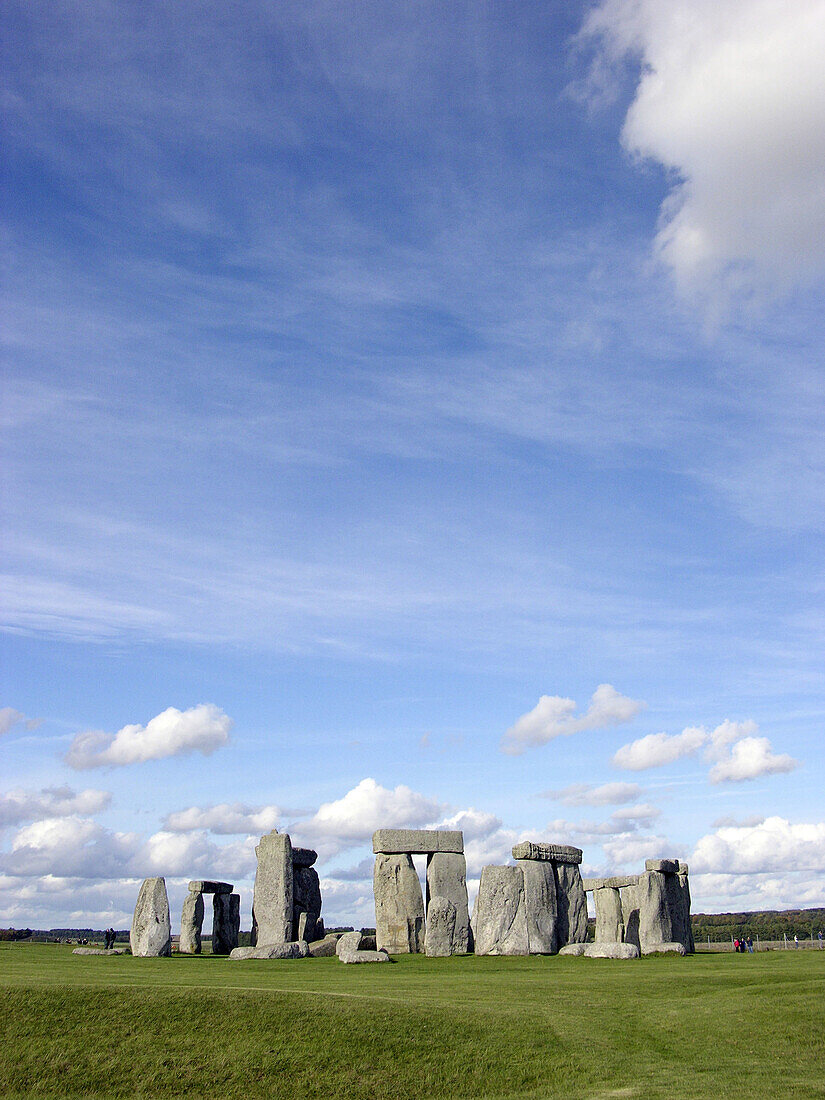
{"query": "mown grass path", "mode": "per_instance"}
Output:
(709, 1026)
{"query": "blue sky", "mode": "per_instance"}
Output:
(412, 413)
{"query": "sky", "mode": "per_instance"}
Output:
(412, 416)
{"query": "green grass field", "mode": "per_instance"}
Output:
(708, 1026)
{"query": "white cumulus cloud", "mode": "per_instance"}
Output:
(775, 845)
(225, 819)
(660, 748)
(750, 758)
(554, 716)
(173, 732)
(731, 100)
(18, 805)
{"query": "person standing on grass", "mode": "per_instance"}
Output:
(796, 941)
(819, 934)
(736, 946)
(749, 942)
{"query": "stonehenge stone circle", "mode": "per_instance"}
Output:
(653, 908)
(447, 878)
(151, 933)
(272, 901)
(440, 932)
(500, 915)
(349, 950)
(191, 922)
(226, 923)
(399, 905)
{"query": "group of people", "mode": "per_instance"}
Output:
(745, 946)
(109, 937)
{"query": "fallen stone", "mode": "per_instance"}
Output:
(665, 949)
(599, 950)
(655, 925)
(191, 924)
(418, 841)
(303, 857)
(500, 915)
(614, 882)
(99, 951)
(440, 927)
(226, 923)
(663, 866)
(399, 905)
(555, 853)
(571, 903)
(541, 906)
(609, 923)
(573, 949)
(272, 899)
(151, 933)
(323, 949)
(368, 942)
(349, 951)
(447, 878)
(294, 950)
(208, 886)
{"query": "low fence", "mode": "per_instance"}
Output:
(786, 944)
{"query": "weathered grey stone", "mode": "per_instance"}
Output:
(599, 950)
(151, 933)
(99, 951)
(630, 914)
(191, 924)
(368, 942)
(447, 878)
(655, 925)
(209, 886)
(609, 923)
(324, 948)
(663, 866)
(613, 882)
(350, 950)
(320, 931)
(573, 949)
(303, 857)
(664, 949)
(683, 867)
(556, 853)
(541, 906)
(440, 926)
(572, 904)
(226, 923)
(418, 841)
(399, 905)
(272, 899)
(684, 887)
(306, 900)
(293, 950)
(500, 915)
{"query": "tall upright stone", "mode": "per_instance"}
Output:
(684, 887)
(500, 915)
(541, 905)
(191, 923)
(151, 933)
(630, 913)
(306, 901)
(226, 922)
(655, 924)
(440, 934)
(272, 899)
(447, 878)
(609, 922)
(572, 904)
(399, 905)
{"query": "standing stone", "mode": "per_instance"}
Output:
(191, 924)
(684, 887)
(655, 925)
(306, 898)
(272, 899)
(151, 933)
(447, 878)
(441, 918)
(630, 914)
(226, 923)
(399, 905)
(500, 915)
(572, 904)
(609, 922)
(541, 906)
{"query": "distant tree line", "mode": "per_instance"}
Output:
(767, 924)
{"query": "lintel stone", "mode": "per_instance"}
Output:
(303, 857)
(207, 886)
(416, 841)
(614, 882)
(555, 853)
(663, 866)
